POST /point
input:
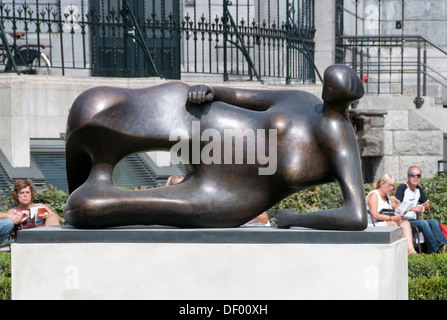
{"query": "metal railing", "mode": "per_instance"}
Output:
(396, 64)
(261, 38)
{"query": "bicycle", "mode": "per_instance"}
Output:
(28, 58)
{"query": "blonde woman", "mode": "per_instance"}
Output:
(380, 199)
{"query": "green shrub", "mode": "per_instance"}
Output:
(5, 264)
(427, 277)
(427, 266)
(6, 201)
(436, 190)
(5, 276)
(434, 288)
(5, 288)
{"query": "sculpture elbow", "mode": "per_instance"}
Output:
(356, 217)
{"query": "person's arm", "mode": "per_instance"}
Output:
(426, 205)
(50, 217)
(16, 219)
(395, 202)
(48, 210)
(3, 215)
(423, 199)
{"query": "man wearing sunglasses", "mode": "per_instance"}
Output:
(414, 202)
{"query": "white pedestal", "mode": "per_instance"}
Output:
(218, 268)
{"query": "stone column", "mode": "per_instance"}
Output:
(15, 121)
(324, 35)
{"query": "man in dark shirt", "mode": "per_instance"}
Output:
(414, 202)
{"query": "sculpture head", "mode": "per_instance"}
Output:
(341, 85)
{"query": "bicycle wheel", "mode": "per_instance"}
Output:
(39, 65)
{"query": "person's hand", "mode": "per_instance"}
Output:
(395, 203)
(397, 217)
(418, 209)
(44, 215)
(394, 200)
(43, 212)
(16, 219)
(200, 93)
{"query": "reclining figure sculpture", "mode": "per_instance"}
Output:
(314, 141)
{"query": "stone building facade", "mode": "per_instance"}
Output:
(397, 136)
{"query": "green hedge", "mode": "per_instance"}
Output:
(5, 276)
(427, 265)
(436, 190)
(434, 288)
(427, 277)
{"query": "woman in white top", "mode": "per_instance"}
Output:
(379, 199)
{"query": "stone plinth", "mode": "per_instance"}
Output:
(191, 264)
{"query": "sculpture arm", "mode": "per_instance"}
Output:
(257, 100)
(338, 143)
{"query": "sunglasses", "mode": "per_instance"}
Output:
(414, 175)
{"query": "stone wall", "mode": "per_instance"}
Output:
(411, 140)
(396, 137)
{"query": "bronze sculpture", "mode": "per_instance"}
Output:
(314, 141)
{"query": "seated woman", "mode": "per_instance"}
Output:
(23, 195)
(380, 199)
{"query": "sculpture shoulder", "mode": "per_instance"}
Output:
(298, 97)
(296, 101)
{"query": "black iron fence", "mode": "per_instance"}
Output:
(396, 64)
(238, 39)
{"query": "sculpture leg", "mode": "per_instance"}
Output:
(98, 203)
